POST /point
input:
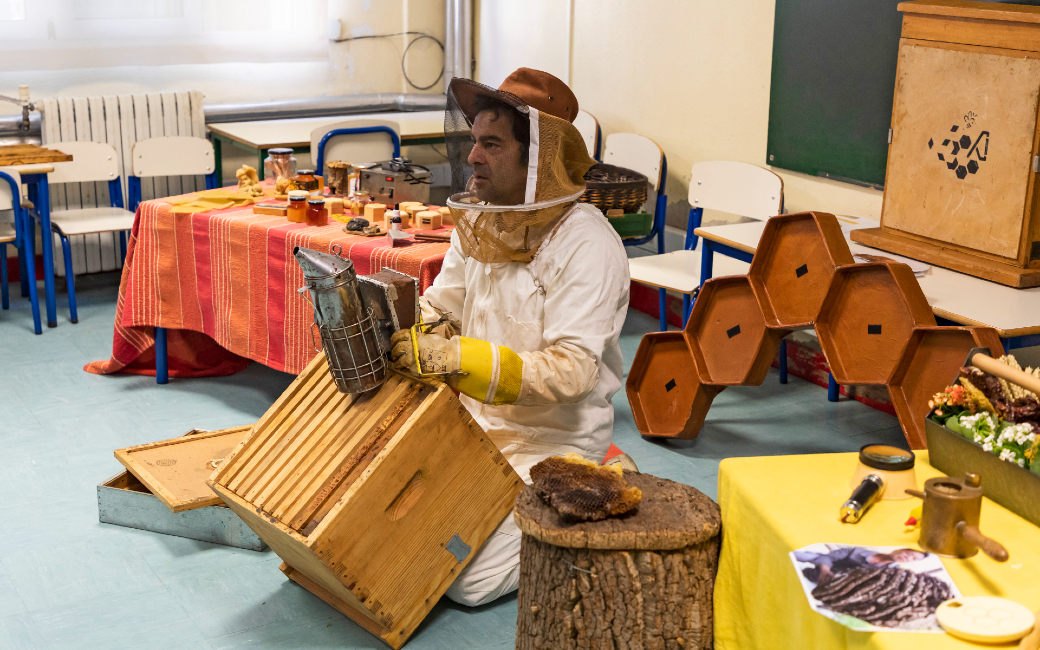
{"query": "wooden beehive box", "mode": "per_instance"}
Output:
(374, 502)
(960, 187)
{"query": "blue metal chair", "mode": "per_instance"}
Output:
(323, 136)
(170, 156)
(17, 235)
(643, 155)
(91, 162)
(733, 187)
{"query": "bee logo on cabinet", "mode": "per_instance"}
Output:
(975, 152)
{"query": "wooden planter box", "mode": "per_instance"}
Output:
(1015, 488)
(960, 187)
(667, 398)
(867, 318)
(375, 502)
(794, 264)
(727, 334)
(929, 363)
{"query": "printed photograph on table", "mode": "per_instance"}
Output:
(874, 588)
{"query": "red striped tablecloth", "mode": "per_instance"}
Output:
(224, 284)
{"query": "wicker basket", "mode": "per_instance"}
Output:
(608, 187)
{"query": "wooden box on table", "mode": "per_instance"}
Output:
(375, 502)
(961, 185)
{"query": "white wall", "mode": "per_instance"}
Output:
(260, 75)
(693, 75)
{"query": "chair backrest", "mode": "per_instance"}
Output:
(178, 155)
(355, 148)
(9, 195)
(588, 126)
(91, 161)
(737, 188)
(640, 154)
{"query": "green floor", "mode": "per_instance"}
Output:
(67, 581)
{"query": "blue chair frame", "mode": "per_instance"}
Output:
(396, 139)
(660, 206)
(133, 190)
(26, 254)
(115, 199)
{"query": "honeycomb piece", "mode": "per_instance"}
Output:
(582, 490)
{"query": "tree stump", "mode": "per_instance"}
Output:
(642, 581)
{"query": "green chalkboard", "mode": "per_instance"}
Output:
(830, 97)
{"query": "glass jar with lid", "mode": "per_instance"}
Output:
(304, 180)
(317, 215)
(297, 211)
(280, 163)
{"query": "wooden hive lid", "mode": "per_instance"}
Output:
(670, 516)
(176, 470)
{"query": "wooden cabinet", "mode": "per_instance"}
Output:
(960, 189)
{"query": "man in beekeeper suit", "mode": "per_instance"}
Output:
(532, 295)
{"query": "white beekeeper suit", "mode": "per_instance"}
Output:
(562, 313)
(536, 296)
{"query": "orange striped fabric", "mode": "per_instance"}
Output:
(224, 284)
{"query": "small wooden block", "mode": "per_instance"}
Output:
(374, 212)
(446, 218)
(334, 205)
(428, 220)
(272, 209)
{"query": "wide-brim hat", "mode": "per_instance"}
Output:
(524, 87)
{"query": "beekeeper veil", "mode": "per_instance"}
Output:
(557, 161)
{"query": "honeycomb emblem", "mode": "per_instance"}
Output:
(974, 152)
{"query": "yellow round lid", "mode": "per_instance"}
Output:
(985, 619)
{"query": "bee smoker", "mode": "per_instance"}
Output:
(356, 316)
(950, 518)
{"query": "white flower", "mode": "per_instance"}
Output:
(987, 446)
(1007, 455)
(1021, 462)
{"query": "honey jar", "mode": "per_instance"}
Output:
(317, 215)
(304, 180)
(297, 210)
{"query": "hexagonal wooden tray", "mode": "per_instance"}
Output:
(867, 317)
(794, 264)
(727, 334)
(667, 398)
(929, 362)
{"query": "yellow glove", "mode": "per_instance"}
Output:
(487, 373)
(437, 354)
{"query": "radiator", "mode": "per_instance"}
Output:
(120, 121)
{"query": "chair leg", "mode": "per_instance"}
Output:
(28, 243)
(687, 307)
(122, 246)
(30, 274)
(70, 282)
(662, 300)
(832, 388)
(783, 361)
(5, 301)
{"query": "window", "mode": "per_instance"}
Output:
(70, 34)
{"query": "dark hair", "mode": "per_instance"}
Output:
(521, 127)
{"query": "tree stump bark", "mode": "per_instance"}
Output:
(642, 581)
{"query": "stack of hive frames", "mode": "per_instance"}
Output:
(871, 318)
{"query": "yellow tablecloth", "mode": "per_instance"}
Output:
(774, 505)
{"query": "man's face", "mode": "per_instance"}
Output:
(499, 174)
(907, 555)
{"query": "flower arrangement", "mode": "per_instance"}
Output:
(1002, 418)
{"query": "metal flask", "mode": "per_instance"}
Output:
(356, 355)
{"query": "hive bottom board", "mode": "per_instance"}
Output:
(125, 501)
